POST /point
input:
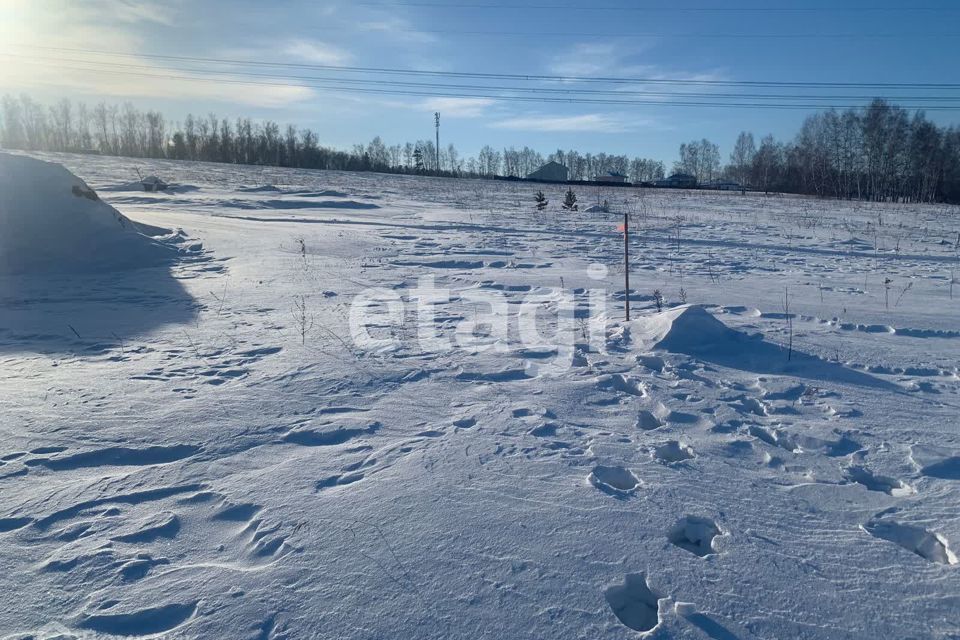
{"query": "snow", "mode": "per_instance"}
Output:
(153, 183)
(197, 447)
(687, 329)
(51, 221)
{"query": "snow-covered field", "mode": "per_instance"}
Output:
(233, 445)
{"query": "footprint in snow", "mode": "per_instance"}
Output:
(622, 384)
(696, 535)
(673, 452)
(647, 421)
(635, 604)
(927, 544)
(876, 482)
(614, 480)
(653, 418)
(946, 469)
(936, 462)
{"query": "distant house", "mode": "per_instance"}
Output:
(611, 176)
(678, 181)
(550, 172)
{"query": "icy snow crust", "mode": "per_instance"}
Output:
(175, 462)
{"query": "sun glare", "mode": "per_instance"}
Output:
(16, 18)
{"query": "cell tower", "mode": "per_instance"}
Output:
(436, 117)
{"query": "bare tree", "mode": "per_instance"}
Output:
(741, 159)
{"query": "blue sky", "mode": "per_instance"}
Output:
(512, 37)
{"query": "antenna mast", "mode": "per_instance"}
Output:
(436, 117)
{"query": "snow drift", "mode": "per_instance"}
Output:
(687, 329)
(51, 221)
(694, 331)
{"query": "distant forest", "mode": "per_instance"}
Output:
(880, 153)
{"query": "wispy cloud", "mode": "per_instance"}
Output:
(151, 81)
(587, 60)
(399, 29)
(134, 11)
(317, 52)
(459, 107)
(622, 60)
(585, 123)
(604, 59)
(120, 26)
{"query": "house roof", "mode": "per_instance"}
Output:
(550, 171)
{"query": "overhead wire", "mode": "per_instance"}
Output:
(570, 91)
(440, 93)
(657, 9)
(515, 76)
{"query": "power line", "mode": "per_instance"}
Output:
(654, 34)
(516, 76)
(493, 96)
(661, 9)
(684, 36)
(99, 65)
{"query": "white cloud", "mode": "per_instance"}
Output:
(458, 107)
(25, 29)
(589, 122)
(619, 60)
(318, 52)
(153, 82)
(399, 29)
(588, 60)
(134, 11)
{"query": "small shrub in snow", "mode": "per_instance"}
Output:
(570, 201)
(302, 317)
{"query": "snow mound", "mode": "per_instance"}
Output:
(687, 329)
(153, 183)
(51, 221)
(266, 188)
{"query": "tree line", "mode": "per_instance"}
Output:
(879, 153)
(124, 130)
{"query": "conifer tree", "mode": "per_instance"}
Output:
(542, 201)
(418, 159)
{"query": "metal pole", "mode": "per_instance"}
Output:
(437, 117)
(626, 260)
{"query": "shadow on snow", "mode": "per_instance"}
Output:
(89, 313)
